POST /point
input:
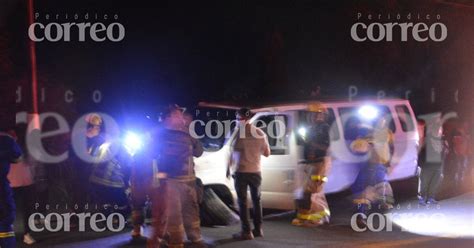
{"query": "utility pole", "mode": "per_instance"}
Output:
(34, 75)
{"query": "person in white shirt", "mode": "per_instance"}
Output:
(250, 144)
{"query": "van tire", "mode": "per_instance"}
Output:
(223, 192)
(214, 212)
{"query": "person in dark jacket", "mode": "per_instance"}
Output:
(174, 151)
(10, 152)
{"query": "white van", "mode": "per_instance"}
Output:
(278, 170)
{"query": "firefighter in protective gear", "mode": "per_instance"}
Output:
(110, 172)
(80, 170)
(371, 185)
(175, 149)
(10, 152)
(311, 203)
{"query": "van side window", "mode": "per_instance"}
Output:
(276, 129)
(334, 131)
(219, 126)
(405, 118)
(356, 125)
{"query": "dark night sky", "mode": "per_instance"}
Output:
(180, 52)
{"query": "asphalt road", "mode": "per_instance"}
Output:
(424, 228)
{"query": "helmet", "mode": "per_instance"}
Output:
(94, 119)
(317, 107)
(166, 111)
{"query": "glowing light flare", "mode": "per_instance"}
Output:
(368, 112)
(132, 143)
(451, 218)
(302, 131)
(438, 225)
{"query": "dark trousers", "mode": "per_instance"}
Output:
(80, 189)
(25, 201)
(7, 215)
(141, 177)
(139, 196)
(431, 178)
(115, 197)
(8, 242)
(252, 181)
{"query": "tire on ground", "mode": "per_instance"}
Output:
(224, 194)
(214, 211)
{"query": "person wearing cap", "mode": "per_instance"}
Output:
(174, 149)
(251, 143)
(10, 152)
(312, 208)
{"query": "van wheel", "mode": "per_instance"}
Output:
(224, 194)
(214, 212)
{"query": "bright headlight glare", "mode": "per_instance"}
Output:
(132, 143)
(368, 112)
(302, 131)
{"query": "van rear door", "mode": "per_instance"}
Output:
(405, 159)
(278, 169)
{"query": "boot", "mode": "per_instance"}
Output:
(257, 232)
(243, 236)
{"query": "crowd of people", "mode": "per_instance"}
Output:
(162, 175)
